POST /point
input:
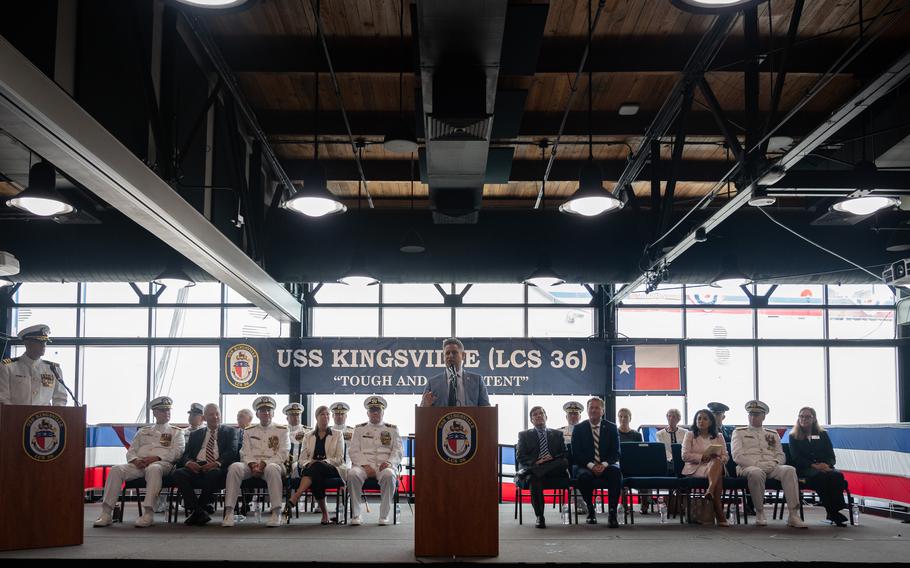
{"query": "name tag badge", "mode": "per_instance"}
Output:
(815, 437)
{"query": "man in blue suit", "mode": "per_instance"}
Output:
(455, 386)
(595, 447)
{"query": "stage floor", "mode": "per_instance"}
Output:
(305, 540)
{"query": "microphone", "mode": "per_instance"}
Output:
(60, 380)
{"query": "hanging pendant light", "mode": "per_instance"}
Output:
(173, 276)
(412, 243)
(315, 199)
(730, 274)
(544, 277)
(358, 275)
(41, 196)
(592, 198)
(865, 205)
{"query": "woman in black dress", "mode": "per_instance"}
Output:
(812, 455)
(322, 458)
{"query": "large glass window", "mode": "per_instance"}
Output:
(561, 322)
(863, 385)
(791, 323)
(861, 324)
(650, 322)
(719, 323)
(493, 293)
(720, 374)
(346, 322)
(412, 294)
(187, 375)
(187, 322)
(489, 322)
(114, 384)
(562, 294)
(250, 322)
(417, 322)
(345, 294)
(112, 292)
(512, 416)
(860, 295)
(47, 293)
(664, 294)
(790, 378)
(201, 293)
(62, 321)
(115, 322)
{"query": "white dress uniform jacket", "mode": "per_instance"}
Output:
(29, 381)
(373, 445)
(269, 444)
(759, 455)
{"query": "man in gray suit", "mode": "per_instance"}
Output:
(455, 386)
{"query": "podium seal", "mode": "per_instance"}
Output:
(44, 436)
(456, 438)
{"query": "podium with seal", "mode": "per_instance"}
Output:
(457, 498)
(42, 470)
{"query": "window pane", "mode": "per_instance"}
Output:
(201, 293)
(665, 294)
(399, 412)
(720, 374)
(650, 410)
(863, 385)
(233, 297)
(62, 321)
(649, 322)
(412, 294)
(112, 292)
(709, 295)
(249, 322)
(47, 293)
(493, 293)
(65, 356)
(861, 295)
(790, 378)
(344, 294)
(115, 322)
(511, 416)
(187, 375)
(489, 322)
(417, 322)
(562, 294)
(235, 402)
(861, 324)
(113, 386)
(794, 294)
(346, 322)
(719, 323)
(187, 322)
(561, 322)
(796, 323)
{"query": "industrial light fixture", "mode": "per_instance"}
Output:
(315, 199)
(760, 197)
(591, 199)
(628, 109)
(412, 243)
(213, 4)
(701, 235)
(358, 275)
(41, 196)
(865, 205)
(899, 241)
(714, 7)
(400, 139)
(174, 276)
(544, 276)
(730, 274)
(4, 283)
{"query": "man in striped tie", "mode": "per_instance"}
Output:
(209, 452)
(540, 454)
(595, 448)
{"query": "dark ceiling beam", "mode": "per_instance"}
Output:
(534, 124)
(522, 170)
(294, 54)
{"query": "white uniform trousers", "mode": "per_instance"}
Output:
(240, 471)
(756, 477)
(387, 482)
(154, 474)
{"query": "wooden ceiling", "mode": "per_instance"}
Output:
(639, 48)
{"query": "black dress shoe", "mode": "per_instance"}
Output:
(591, 520)
(194, 518)
(541, 522)
(838, 519)
(209, 509)
(614, 524)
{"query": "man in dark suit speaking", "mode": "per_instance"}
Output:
(455, 386)
(208, 454)
(595, 447)
(540, 454)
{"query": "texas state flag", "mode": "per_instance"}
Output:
(646, 368)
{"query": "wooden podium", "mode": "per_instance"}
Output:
(457, 498)
(42, 472)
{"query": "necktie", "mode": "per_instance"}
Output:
(596, 431)
(210, 446)
(544, 447)
(453, 398)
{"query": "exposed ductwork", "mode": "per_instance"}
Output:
(460, 50)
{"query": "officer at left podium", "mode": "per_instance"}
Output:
(152, 454)
(29, 379)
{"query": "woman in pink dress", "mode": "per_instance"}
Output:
(704, 452)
